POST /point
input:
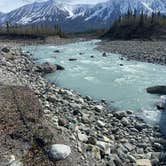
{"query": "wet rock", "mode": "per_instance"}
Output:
(5, 49)
(161, 90)
(59, 151)
(161, 105)
(104, 54)
(72, 59)
(99, 108)
(140, 126)
(46, 68)
(129, 112)
(59, 67)
(57, 51)
(120, 114)
(158, 146)
(162, 157)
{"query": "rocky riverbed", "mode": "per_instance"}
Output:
(145, 51)
(87, 132)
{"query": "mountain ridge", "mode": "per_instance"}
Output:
(75, 18)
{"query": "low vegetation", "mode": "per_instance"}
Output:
(33, 31)
(138, 26)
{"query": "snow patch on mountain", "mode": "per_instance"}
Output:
(79, 17)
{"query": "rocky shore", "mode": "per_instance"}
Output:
(145, 51)
(71, 128)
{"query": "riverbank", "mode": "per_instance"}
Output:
(145, 51)
(96, 136)
(56, 40)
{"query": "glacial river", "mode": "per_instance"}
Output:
(123, 86)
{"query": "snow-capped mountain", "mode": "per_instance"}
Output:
(74, 18)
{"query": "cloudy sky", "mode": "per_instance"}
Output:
(7, 5)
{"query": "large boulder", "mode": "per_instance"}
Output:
(59, 67)
(161, 90)
(5, 49)
(47, 68)
(59, 151)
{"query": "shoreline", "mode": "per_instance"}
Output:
(144, 51)
(96, 136)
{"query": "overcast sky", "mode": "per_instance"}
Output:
(7, 5)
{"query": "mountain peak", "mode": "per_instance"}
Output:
(77, 18)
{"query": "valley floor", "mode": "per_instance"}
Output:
(146, 51)
(96, 136)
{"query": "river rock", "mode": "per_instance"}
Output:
(143, 162)
(104, 54)
(82, 137)
(125, 121)
(100, 123)
(161, 90)
(62, 122)
(120, 114)
(95, 151)
(59, 151)
(72, 59)
(105, 147)
(16, 163)
(129, 146)
(46, 68)
(57, 51)
(5, 49)
(160, 105)
(99, 108)
(158, 146)
(92, 140)
(59, 67)
(52, 98)
(118, 161)
(131, 158)
(163, 98)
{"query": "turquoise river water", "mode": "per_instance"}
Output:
(102, 77)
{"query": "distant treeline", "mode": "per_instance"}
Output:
(89, 33)
(31, 30)
(133, 25)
